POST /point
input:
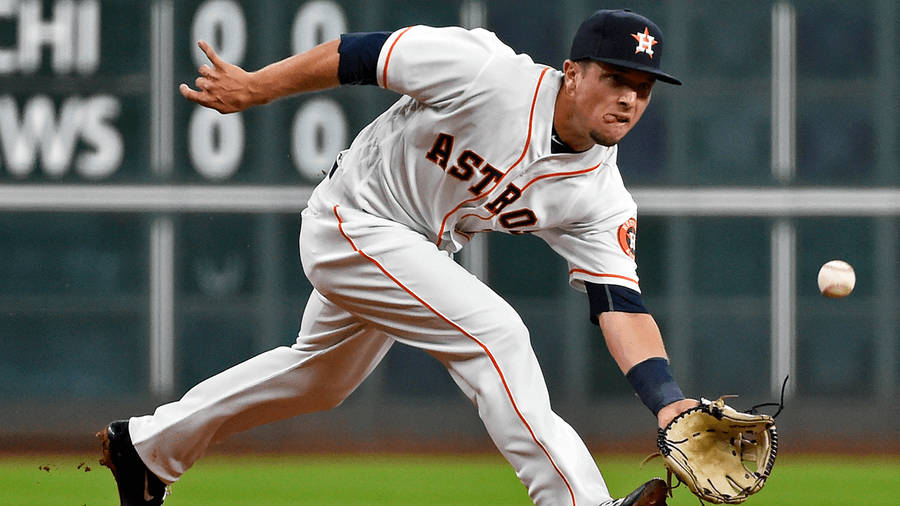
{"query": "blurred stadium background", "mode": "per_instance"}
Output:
(146, 244)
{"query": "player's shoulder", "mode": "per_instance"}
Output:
(447, 65)
(488, 38)
(473, 39)
(603, 192)
(465, 41)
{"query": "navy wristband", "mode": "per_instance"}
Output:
(654, 384)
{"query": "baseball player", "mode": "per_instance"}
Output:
(482, 139)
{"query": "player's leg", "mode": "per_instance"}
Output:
(333, 354)
(426, 300)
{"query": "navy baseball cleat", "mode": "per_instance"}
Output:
(652, 493)
(137, 485)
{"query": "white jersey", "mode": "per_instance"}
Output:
(468, 150)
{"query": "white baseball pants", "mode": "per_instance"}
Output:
(377, 282)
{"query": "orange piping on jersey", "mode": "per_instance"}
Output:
(511, 167)
(469, 336)
(557, 174)
(561, 174)
(468, 235)
(589, 273)
(387, 59)
(476, 216)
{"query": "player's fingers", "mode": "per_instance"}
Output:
(192, 95)
(202, 83)
(204, 99)
(210, 53)
(187, 92)
(204, 70)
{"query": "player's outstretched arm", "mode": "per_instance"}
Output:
(229, 88)
(635, 343)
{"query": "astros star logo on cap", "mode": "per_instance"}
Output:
(645, 42)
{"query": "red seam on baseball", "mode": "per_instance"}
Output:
(463, 332)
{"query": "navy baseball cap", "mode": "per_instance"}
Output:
(623, 38)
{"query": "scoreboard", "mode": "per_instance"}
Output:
(88, 89)
(67, 107)
(137, 299)
(90, 92)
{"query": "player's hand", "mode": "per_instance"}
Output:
(223, 87)
(670, 411)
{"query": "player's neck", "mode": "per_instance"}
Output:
(562, 126)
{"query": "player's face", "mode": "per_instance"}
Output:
(609, 101)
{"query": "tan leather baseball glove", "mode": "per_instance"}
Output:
(721, 454)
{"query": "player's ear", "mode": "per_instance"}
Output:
(571, 74)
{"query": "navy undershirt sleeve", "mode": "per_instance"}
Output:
(359, 56)
(603, 298)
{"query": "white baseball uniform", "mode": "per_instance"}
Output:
(465, 150)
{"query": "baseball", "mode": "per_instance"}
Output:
(836, 279)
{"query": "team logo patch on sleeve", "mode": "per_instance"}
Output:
(628, 236)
